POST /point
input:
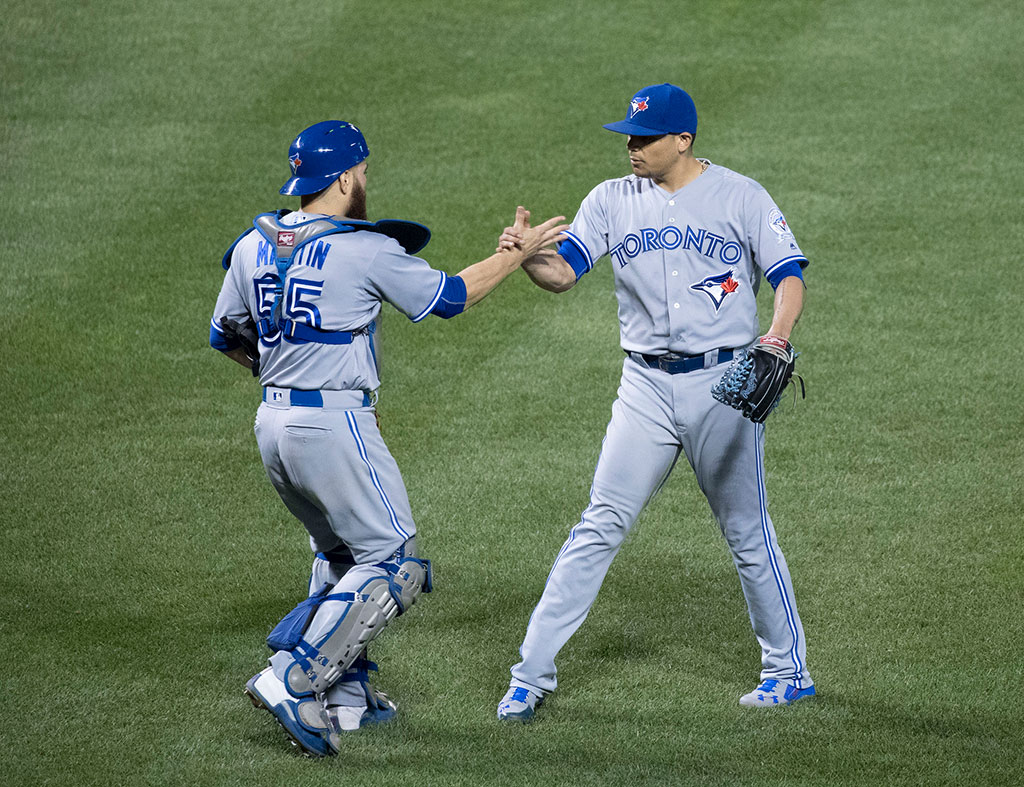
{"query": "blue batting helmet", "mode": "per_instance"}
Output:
(321, 153)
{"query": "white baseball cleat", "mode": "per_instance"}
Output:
(773, 693)
(302, 719)
(518, 704)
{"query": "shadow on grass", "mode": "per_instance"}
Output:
(694, 622)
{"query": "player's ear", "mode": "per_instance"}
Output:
(685, 142)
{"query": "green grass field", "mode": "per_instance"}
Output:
(145, 556)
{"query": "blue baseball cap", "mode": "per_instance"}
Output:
(658, 109)
(321, 153)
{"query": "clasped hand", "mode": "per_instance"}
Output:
(529, 239)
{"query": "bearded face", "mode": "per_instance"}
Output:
(357, 207)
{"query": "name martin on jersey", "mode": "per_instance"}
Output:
(311, 255)
(671, 237)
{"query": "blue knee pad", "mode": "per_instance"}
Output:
(288, 633)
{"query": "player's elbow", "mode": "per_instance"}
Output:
(551, 277)
(218, 341)
(551, 284)
(554, 272)
(565, 285)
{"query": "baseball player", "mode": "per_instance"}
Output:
(301, 305)
(688, 241)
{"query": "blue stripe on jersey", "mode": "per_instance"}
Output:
(453, 298)
(575, 252)
(434, 300)
(779, 272)
(583, 247)
(354, 429)
(798, 258)
(219, 341)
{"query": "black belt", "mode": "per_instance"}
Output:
(674, 363)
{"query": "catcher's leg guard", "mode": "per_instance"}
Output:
(347, 620)
(322, 656)
(407, 578)
(288, 633)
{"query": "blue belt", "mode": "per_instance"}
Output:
(298, 398)
(674, 363)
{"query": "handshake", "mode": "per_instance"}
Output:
(546, 267)
(521, 236)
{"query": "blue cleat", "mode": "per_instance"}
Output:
(518, 704)
(302, 719)
(772, 693)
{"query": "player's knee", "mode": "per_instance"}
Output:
(330, 566)
(408, 575)
(605, 525)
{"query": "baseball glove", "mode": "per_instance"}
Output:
(754, 382)
(246, 336)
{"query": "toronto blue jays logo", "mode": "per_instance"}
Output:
(295, 161)
(717, 288)
(638, 104)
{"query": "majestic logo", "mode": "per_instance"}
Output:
(286, 239)
(637, 105)
(777, 223)
(296, 162)
(717, 288)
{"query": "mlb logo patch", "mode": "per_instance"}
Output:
(286, 239)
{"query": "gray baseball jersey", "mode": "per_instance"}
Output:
(687, 267)
(334, 284)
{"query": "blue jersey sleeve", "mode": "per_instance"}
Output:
(575, 253)
(780, 272)
(219, 341)
(453, 298)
